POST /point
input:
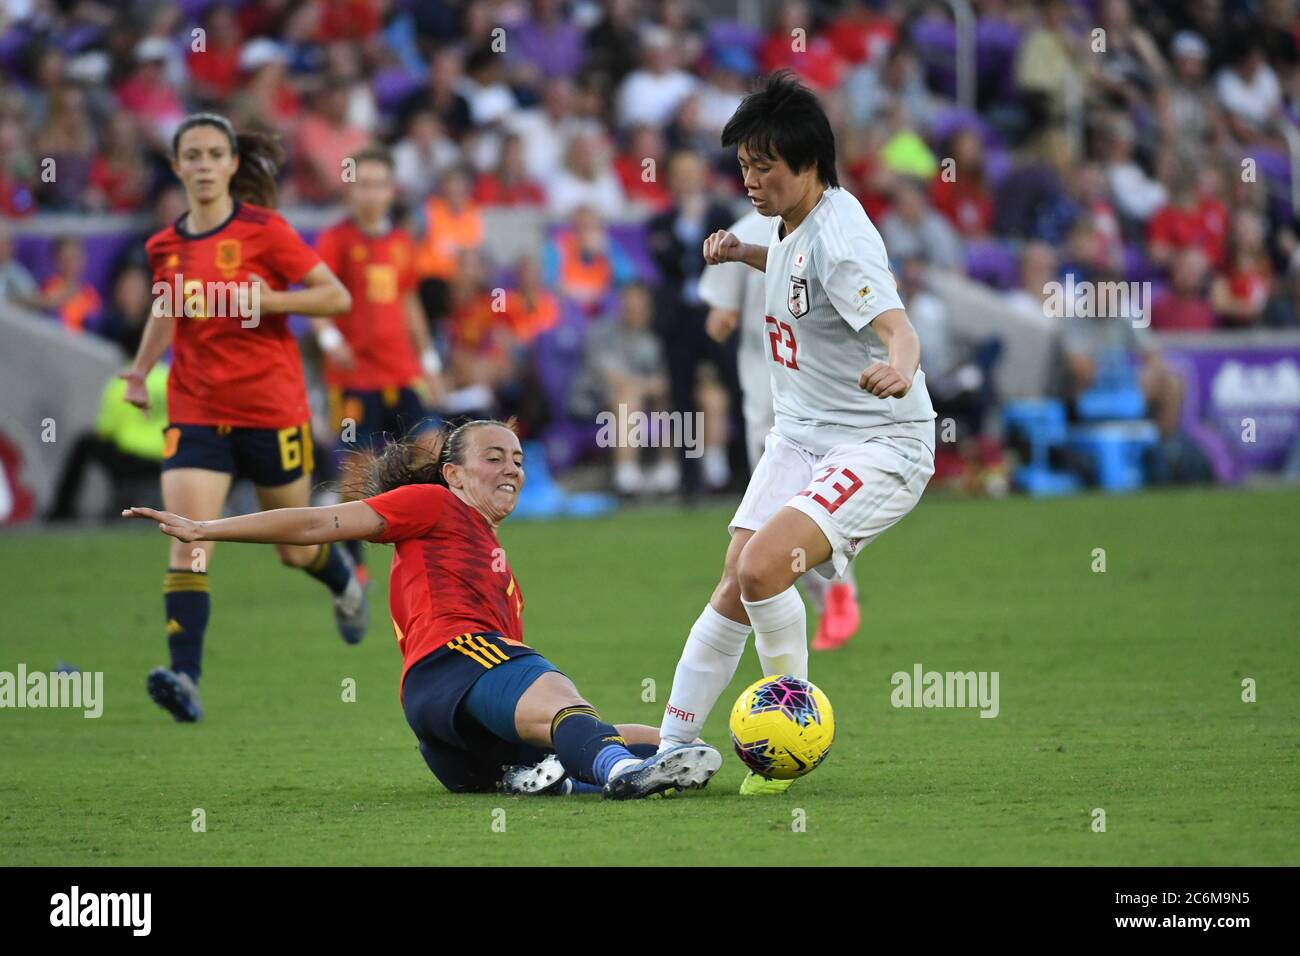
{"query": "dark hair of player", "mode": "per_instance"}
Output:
(260, 158)
(418, 460)
(375, 153)
(783, 119)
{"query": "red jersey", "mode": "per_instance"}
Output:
(223, 373)
(379, 271)
(449, 576)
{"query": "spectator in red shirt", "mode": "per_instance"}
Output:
(961, 190)
(1241, 290)
(812, 57)
(862, 35)
(325, 139)
(214, 70)
(1189, 220)
(509, 184)
(1183, 306)
(642, 182)
(147, 95)
(1211, 209)
(350, 20)
(870, 180)
(119, 177)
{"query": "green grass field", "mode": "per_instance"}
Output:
(1120, 690)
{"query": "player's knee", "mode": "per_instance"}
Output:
(726, 596)
(758, 576)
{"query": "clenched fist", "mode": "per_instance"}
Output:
(722, 246)
(884, 381)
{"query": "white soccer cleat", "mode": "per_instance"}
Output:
(684, 767)
(548, 777)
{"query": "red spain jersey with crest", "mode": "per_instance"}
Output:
(450, 575)
(227, 370)
(379, 272)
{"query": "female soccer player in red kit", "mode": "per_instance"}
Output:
(476, 696)
(378, 356)
(236, 399)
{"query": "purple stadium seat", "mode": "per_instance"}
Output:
(80, 38)
(631, 238)
(952, 119)
(936, 45)
(391, 86)
(998, 163)
(1137, 267)
(1271, 165)
(557, 357)
(13, 47)
(991, 262)
(726, 34)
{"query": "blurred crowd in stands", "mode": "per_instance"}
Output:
(1138, 140)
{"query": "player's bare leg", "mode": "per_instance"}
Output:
(186, 600)
(328, 563)
(788, 544)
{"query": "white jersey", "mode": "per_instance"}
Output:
(825, 283)
(736, 287)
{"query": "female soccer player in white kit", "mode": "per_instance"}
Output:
(853, 444)
(736, 297)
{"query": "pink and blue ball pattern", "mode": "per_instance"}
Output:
(791, 696)
(757, 756)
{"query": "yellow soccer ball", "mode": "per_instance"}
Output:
(782, 727)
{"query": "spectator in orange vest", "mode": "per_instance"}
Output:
(583, 264)
(453, 225)
(479, 357)
(531, 307)
(66, 293)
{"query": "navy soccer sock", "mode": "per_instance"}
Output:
(576, 786)
(586, 745)
(331, 568)
(186, 604)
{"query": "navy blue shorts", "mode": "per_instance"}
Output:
(265, 456)
(460, 701)
(379, 412)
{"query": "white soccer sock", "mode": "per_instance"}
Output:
(708, 663)
(780, 633)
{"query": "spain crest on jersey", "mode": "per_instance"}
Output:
(229, 255)
(798, 298)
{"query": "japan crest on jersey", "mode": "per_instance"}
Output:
(798, 298)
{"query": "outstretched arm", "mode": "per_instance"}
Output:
(349, 521)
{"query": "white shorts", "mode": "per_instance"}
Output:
(853, 492)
